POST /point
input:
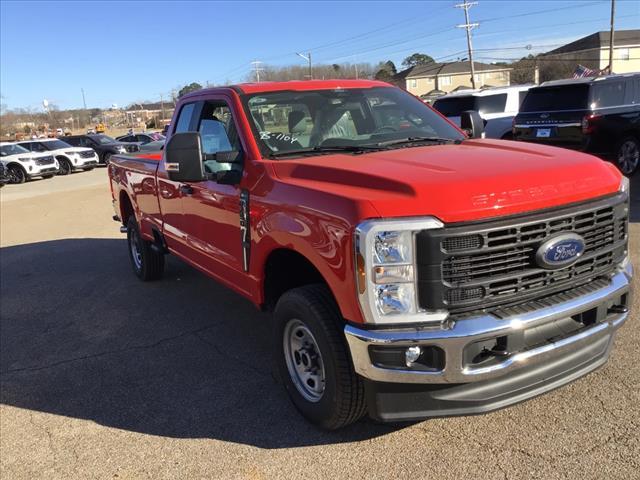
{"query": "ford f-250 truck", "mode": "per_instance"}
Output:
(413, 270)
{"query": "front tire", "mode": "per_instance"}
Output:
(106, 159)
(628, 156)
(147, 264)
(313, 360)
(65, 167)
(16, 174)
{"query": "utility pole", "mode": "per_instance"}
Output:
(84, 102)
(468, 26)
(613, 14)
(257, 69)
(307, 57)
(162, 108)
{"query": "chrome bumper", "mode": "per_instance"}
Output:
(460, 334)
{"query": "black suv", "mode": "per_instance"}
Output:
(596, 115)
(103, 145)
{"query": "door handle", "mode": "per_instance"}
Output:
(186, 189)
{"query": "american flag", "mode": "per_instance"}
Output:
(581, 71)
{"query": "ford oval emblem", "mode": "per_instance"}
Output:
(544, 115)
(560, 251)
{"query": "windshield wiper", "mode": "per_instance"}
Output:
(328, 149)
(414, 140)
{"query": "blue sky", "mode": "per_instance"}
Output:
(121, 52)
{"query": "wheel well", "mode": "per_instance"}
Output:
(17, 165)
(61, 158)
(284, 270)
(507, 136)
(126, 208)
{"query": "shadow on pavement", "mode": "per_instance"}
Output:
(183, 357)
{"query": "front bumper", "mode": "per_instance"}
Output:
(44, 170)
(461, 387)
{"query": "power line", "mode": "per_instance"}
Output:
(538, 12)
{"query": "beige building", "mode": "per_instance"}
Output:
(448, 77)
(592, 51)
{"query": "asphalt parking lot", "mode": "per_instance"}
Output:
(103, 376)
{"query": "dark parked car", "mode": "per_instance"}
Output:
(103, 145)
(596, 115)
(141, 138)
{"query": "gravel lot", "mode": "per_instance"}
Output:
(103, 376)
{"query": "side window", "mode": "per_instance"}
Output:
(184, 119)
(217, 130)
(28, 146)
(492, 103)
(608, 94)
(38, 147)
(521, 96)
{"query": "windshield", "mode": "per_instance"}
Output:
(548, 99)
(103, 139)
(294, 120)
(156, 136)
(6, 150)
(454, 106)
(55, 145)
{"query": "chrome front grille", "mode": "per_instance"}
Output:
(87, 154)
(489, 264)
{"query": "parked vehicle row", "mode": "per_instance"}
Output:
(598, 115)
(103, 145)
(595, 115)
(21, 165)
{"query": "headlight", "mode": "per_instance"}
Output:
(25, 159)
(71, 154)
(624, 185)
(386, 271)
(122, 149)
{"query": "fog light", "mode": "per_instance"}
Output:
(411, 355)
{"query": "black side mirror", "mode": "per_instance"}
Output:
(183, 157)
(471, 122)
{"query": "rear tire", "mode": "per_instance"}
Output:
(147, 264)
(16, 174)
(628, 156)
(313, 359)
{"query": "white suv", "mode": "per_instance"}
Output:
(496, 105)
(22, 165)
(70, 158)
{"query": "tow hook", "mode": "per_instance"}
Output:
(618, 309)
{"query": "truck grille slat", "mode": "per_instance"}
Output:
(465, 268)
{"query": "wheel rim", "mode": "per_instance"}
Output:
(107, 157)
(134, 245)
(304, 360)
(64, 167)
(628, 157)
(15, 175)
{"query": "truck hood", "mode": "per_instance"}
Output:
(474, 180)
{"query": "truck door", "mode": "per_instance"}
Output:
(211, 211)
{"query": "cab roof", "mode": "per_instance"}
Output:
(299, 85)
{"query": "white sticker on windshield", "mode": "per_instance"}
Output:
(266, 135)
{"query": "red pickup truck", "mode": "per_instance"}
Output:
(414, 269)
